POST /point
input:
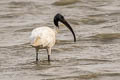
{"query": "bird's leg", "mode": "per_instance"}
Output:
(36, 54)
(49, 53)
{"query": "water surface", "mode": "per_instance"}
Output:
(95, 55)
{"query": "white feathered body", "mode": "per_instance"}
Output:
(43, 37)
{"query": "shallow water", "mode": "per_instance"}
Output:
(95, 55)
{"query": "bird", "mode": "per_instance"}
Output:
(45, 37)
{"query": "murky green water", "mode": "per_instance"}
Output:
(95, 55)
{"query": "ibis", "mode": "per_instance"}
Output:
(45, 37)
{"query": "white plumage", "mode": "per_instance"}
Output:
(45, 37)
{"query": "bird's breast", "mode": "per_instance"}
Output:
(43, 37)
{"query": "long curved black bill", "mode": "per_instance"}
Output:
(70, 28)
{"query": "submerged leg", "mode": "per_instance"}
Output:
(49, 53)
(36, 54)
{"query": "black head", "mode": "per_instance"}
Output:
(58, 17)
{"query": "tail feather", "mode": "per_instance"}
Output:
(36, 42)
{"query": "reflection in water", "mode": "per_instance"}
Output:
(95, 55)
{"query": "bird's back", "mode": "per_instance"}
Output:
(42, 37)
